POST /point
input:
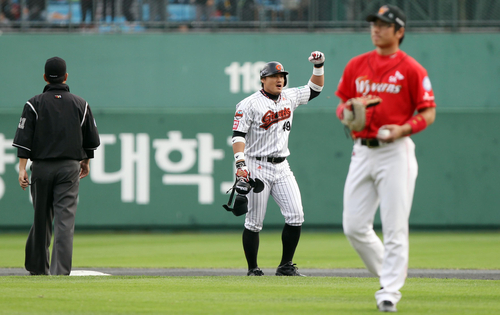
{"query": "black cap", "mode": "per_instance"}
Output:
(55, 68)
(271, 68)
(390, 14)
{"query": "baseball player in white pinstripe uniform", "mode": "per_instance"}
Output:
(262, 124)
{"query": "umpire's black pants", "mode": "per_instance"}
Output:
(54, 188)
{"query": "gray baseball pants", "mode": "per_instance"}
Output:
(54, 188)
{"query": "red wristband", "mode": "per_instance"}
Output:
(417, 123)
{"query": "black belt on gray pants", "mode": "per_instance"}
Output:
(274, 160)
(371, 143)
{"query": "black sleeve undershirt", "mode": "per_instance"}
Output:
(313, 94)
(239, 134)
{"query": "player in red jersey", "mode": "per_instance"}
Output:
(383, 167)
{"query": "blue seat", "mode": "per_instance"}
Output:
(58, 12)
(181, 12)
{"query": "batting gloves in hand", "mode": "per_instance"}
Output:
(317, 58)
(242, 172)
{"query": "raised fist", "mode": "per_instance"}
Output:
(317, 58)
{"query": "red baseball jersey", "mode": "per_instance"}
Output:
(398, 79)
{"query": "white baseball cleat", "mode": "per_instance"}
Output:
(387, 306)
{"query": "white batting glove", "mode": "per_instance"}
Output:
(317, 58)
(242, 172)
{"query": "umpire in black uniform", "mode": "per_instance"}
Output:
(58, 133)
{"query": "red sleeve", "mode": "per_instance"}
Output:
(344, 89)
(421, 88)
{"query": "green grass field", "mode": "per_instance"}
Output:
(247, 295)
(448, 250)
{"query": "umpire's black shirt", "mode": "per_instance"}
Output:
(56, 125)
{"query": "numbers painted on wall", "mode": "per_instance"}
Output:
(244, 77)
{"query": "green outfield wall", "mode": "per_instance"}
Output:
(217, 70)
(164, 105)
(172, 169)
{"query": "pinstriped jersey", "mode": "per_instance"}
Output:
(267, 123)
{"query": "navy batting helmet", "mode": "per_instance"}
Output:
(271, 68)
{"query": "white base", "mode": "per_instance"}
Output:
(81, 273)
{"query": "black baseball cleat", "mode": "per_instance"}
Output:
(387, 306)
(255, 272)
(288, 269)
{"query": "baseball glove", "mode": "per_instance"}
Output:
(354, 114)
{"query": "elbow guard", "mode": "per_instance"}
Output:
(314, 86)
(238, 139)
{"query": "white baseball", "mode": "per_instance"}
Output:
(383, 133)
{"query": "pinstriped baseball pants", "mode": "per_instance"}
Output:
(279, 183)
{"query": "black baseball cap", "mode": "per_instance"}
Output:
(390, 14)
(55, 68)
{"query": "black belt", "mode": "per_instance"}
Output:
(371, 143)
(274, 160)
